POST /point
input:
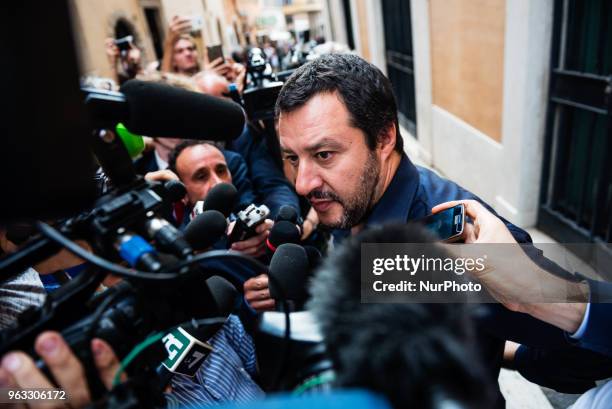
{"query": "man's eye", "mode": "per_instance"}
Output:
(292, 159)
(325, 155)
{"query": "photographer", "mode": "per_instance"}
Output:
(126, 63)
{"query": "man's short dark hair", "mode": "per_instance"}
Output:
(363, 88)
(178, 149)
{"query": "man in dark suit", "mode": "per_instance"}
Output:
(338, 129)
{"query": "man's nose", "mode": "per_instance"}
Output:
(307, 179)
(215, 180)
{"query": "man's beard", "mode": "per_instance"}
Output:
(355, 207)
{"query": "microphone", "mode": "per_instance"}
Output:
(203, 231)
(222, 197)
(289, 270)
(224, 294)
(160, 110)
(186, 350)
(175, 190)
(288, 213)
(282, 232)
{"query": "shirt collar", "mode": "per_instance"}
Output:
(396, 201)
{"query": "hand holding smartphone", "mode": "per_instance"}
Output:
(448, 224)
(214, 52)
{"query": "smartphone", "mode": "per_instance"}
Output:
(197, 22)
(214, 52)
(448, 224)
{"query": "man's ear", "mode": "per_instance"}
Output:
(387, 140)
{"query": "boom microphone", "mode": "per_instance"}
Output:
(148, 108)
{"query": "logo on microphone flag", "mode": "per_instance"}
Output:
(185, 353)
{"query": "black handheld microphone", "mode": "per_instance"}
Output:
(282, 232)
(222, 197)
(188, 347)
(288, 213)
(203, 231)
(289, 269)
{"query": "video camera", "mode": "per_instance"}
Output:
(167, 286)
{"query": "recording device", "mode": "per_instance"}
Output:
(214, 52)
(197, 22)
(247, 221)
(260, 96)
(166, 285)
(448, 224)
(290, 268)
(124, 43)
(290, 214)
(302, 356)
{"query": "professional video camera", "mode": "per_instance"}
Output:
(168, 292)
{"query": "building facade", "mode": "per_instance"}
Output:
(218, 22)
(510, 98)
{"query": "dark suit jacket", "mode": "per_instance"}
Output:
(411, 194)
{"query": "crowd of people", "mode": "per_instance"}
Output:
(345, 172)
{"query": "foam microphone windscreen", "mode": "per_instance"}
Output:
(175, 190)
(287, 213)
(289, 270)
(166, 111)
(282, 232)
(224, 294)
(222, 197)
(203, 231)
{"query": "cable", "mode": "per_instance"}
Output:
(221, 254)
(121, 271)
(116, 269)
(321, 379)
(150, 340)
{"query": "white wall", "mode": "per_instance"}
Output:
(507, 174)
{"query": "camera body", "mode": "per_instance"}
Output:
(248, 219)
(124, 43)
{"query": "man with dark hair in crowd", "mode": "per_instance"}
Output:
(201, 166)
(339, 131)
